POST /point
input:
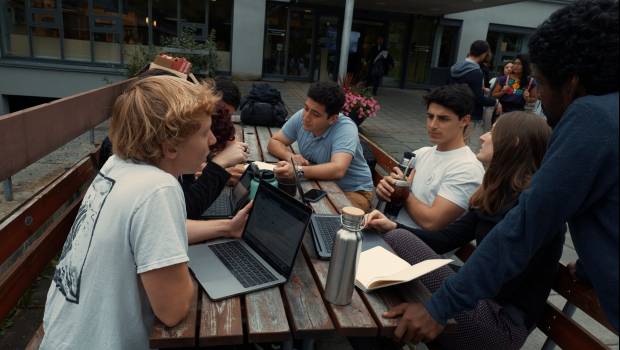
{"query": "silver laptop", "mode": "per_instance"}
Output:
(265, 255)
(231, 199)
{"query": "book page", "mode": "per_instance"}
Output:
(379, 267)
(378, 262)
(264, 166)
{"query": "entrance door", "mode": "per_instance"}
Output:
(275, 49)
(326, 54)
(301, 37)
(421, 50)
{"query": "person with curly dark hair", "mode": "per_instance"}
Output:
(575, 56)
(517, 88)
(329, 145)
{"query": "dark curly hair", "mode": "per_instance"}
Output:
(228, 89)
(579, 40)
(328, 94)
(222, 127)
(456, 97)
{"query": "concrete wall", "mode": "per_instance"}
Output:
(29, 81)
(527, 14)
(247, 39)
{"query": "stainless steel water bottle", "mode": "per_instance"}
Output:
(345, 256)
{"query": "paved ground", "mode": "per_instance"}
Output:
(399, 126)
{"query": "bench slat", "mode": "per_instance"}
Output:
(267, 321)
(15, 230)
(580, 295)
(353, 319)
(263, 139)
(308, 315)
(565, 332)
(220, 321)
(20, 276)
(183, 334)
(249, 137)
(239, 133)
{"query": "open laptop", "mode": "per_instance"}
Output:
(265, 254)
(231, 199)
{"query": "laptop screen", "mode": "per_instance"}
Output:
(276, 227)
(241, 190)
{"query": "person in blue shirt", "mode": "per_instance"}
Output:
(575, 62)
(329, 145)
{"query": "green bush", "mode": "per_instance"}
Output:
(203, 56)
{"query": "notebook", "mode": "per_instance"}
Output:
(379, 268)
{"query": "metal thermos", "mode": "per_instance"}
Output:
(345, 256)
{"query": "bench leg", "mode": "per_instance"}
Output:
(568, 310)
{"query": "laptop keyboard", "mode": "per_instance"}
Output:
(328, 226)
(221, 206)
(242, 264)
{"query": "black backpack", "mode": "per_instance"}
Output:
(263, 106)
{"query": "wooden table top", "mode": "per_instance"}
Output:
(295, 310)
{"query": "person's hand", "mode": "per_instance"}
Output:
(235, 173)
(300, 160)
(284, 169)
(376, 220)
(237, 223)
(198, 172)
(416, 324)
(506, 89)
(526, 94)
(233, 154)
(385, 187)
(498, 108)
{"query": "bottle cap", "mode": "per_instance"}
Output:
(352, 211)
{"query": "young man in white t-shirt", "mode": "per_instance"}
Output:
(445, 175)
(125, 259)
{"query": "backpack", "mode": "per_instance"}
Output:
(263, 106)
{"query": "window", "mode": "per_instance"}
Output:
(45, 28)
(164, 20)
(76, 30)
(506, 43)
(16, 37)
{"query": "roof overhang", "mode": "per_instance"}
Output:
(423, 7)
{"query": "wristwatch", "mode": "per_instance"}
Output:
(300, 172)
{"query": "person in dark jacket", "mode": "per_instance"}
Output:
(574, 56)
(469, 72)
(379, 63)
(512, 151)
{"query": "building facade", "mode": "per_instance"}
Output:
(55, 48)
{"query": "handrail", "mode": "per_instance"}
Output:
(30, 134)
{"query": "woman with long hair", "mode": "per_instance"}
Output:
(512, 151)
(517, 88)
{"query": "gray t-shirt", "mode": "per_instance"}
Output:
(132, 220)
(341, 137)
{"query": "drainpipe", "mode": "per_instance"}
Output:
(346, 38)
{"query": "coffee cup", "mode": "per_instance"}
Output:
(401, 192)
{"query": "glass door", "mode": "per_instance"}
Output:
(275, 49)
(326, 53)
(421, 50)
(301, 37)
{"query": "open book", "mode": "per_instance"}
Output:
(380, 268)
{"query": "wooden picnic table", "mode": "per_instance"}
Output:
(295, 310)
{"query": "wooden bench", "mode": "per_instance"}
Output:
(36, 231)
(556, 324)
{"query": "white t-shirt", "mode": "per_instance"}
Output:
(132, 220)
(454, 175)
